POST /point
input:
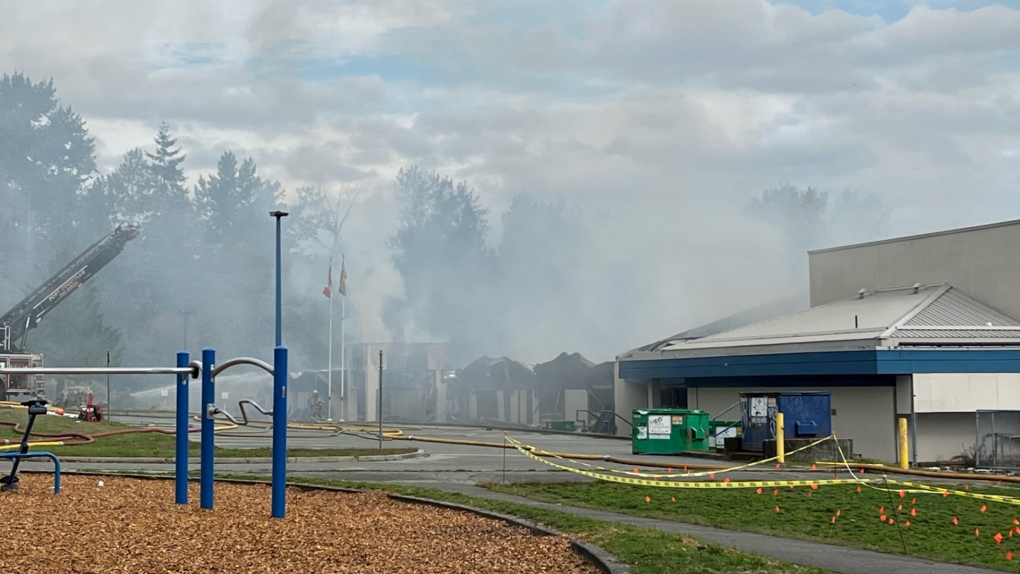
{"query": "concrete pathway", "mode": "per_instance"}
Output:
(815, 554)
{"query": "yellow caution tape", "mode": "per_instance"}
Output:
(679, 483)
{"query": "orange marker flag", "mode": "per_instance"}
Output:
(903, 493)
(711, 475)
(913, 512)
(998, 538)
(813, 467)
(685, 469)
(1017, 530)
(655, 479)
(648, 499)
(727, 479)
(777, 465)
(882, 518)
(833, 518)
(1009, 556)
(838, 512)
(977, 532)
(983, 508)
(809, 494)
(955, 521)
(791, 487)
(913, 501)
(777, 509)
(881, 510)
(858, 489)
(900, 507)
(759, 490)
(966, 487)
(636, 471)
(945, 493)
(892, 521)
(906, 524)
(669, 469)
(1016, 522)
(814, 486)
(672, 499)
(775, 492)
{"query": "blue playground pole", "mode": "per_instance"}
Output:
(279, 432)
(208, 398)
(181, 479)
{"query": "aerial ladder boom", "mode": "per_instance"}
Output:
(15, 323)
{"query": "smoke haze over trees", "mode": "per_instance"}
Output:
(205, 252)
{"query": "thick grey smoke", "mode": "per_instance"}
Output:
(644, 129)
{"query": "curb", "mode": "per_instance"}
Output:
(604, 561)
(420, 453)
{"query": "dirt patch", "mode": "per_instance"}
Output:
(132, 525)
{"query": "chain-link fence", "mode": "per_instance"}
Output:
(997, 440)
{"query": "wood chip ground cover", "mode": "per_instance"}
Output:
(132, 525)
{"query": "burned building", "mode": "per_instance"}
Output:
(413, 387)
(495, 390)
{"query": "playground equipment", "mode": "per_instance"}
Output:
(10, 482)
(185, 371)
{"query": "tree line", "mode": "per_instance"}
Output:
(205, 255)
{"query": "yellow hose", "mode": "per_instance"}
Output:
(17, 446)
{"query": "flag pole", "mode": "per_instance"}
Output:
(329, 373)
(343, 353)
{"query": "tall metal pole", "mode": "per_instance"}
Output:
(343, 358)
(279, 281)
(109, 397)
(279, 432)
(181, 453)
(380, 399)
(208, 403)
(329, 373)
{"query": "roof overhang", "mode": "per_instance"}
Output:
(876, 361)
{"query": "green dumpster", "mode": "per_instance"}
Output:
(562, 426)
(669, 431)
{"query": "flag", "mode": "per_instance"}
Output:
(329, 283)
(343, 279)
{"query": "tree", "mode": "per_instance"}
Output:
(318, 218)
(235, 201)
(439, 249)
(799, 212)
(46, 157)
(857, 217)
(541, 255)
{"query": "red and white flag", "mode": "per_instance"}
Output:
(327, 291)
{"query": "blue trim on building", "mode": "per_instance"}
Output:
(868, 362)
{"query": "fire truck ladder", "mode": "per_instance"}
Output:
(26, 315)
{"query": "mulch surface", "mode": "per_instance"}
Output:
(132, 525)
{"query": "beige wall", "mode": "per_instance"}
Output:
(864, 414)
(951, 392)
(627, 396)
(941, 436)
(983, 262)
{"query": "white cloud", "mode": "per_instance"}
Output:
(660, 118)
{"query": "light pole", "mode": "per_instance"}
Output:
(279, 309)
(185, 315)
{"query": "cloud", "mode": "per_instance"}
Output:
(656, 120)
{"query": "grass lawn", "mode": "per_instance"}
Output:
(147, 444)
(809, 514)
(647, 551)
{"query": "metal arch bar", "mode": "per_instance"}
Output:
(243, 361)
(98, 371)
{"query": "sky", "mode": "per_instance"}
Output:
(657, 119)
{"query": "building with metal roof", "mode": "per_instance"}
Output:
(933, 352)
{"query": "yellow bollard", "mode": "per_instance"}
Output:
(904, 447)
(780, 439)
